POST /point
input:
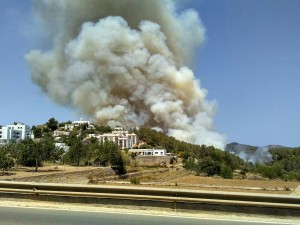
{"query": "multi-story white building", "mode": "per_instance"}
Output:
(25, 129)
(124, 139)
(17, 131)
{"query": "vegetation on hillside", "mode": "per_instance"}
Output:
(285, 164)
(211, 161)
(201, 159)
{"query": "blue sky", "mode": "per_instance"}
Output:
(250, 64)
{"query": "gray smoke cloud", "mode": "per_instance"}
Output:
(260, 155)
(123, 62)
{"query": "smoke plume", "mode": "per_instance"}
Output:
(123, 62)
(260, 155)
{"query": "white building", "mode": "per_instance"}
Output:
(58, 133)
(149, 152)
(17, 131)
(124, 139)
(25, 129)
(79, 123)
(69, 127)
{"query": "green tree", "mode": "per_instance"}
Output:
(52, 124)
(77, 150)
(145, 146)
(210, 167)
(108, 153)
(37, 132)
(51, 152)
(34, 153)
(91, 149)
(102, 153)
(12, 148)
(116, 159)
(6, 160)
(26, 147)
(103, 129)
(62, 124)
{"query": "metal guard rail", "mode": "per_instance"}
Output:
(153, 194)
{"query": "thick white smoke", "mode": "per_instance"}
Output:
(261, 155)
(122, 62)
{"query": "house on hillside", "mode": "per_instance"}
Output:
(149, 152)
(79, 123)
(58, 133)
(124, 139)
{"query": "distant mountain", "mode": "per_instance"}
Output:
(251, 153)
(276, 146)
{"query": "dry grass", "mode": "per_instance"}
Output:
(216, 183)
(173, 177)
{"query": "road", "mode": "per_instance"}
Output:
(40, 216)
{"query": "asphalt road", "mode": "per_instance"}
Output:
(39, 216)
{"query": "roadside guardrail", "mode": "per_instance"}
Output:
(139, 193)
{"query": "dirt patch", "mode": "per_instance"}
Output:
(51, 174)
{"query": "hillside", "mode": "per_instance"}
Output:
(254, 154)
(272, 161)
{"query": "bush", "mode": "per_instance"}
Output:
(243, 173)
(189, 164)
(134, 180)
(210, 167)
(6, 162)
(119, 169)
(271, 172)
(298, 176)
(226, 172)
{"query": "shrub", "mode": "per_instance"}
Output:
(243, 173)
(189, 164)
(210, 167)
(6, 162)
(226, 172)
(134, 180)
(271, 172)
